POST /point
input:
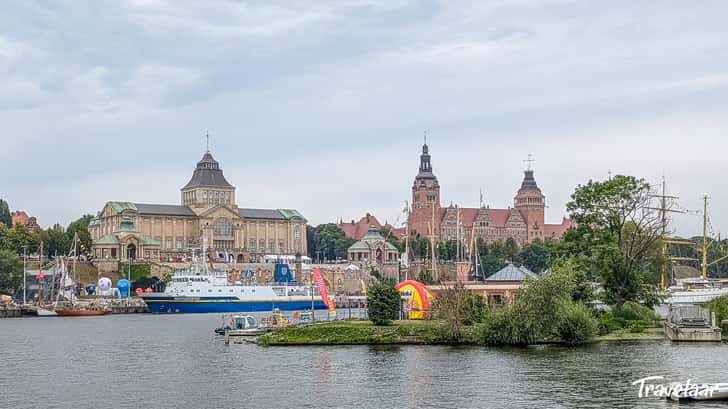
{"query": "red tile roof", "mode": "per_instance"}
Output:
(557, 230)
(357, 230)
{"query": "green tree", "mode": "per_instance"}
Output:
(386, 232)
(511, 250)
(331, 241)
(622, 229)
(383, 302)
(80, 227)
(536, 256)
(5, 216)
(11, 272)
(16, 237)
(454, 306)
(56, 240)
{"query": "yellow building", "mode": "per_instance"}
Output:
(155, 232)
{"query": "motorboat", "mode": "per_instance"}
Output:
(238, 325)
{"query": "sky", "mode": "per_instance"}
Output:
(322, 106)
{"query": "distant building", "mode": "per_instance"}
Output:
(356, 230)
(373, 248)
(524, 222)
(21, 217)
(125, 230)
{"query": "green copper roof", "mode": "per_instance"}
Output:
(372, 236)
(119, 207)
(108, 239)
(291, 214)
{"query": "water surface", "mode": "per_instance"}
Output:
(148, 361)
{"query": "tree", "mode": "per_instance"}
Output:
(386, 232)
(80, 227)
(331, 241)
(56, 240)
(536, 256)
(11, 272)
(5, 216)
(18, 236)
(622, 230)
(311, 240)
(383, 302)
(454, 305)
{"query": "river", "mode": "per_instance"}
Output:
(147, 361)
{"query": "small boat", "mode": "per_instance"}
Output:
(716, 391)
(276, 320)
(305, 317)
(238, 325)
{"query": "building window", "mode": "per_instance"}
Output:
(222, 227)
(261, 245)
(169, 244)
(280, 246)
(113, 253)
(251, 245)
(272, 245)
(297, 232)
(180, 244)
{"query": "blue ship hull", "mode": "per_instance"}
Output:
(174, 305)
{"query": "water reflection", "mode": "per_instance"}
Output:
(175, 361)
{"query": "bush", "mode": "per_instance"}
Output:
(576, 325)
(637, 326)
(632, 311)
(383, 302)
(720, 307)
(609, 323)
(502, 328)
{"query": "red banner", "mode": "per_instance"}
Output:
(319, 278)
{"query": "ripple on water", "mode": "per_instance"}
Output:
(174, 361)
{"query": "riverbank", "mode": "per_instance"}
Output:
(426, 332)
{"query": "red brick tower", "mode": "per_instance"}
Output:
(425, 198)
(532, 203)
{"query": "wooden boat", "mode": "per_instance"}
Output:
(81, 312)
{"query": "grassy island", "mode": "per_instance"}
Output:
(360, 332)
(427, 332)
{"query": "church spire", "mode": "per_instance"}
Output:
(425, 159)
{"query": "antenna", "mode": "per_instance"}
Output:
(425, 137)
(530, 161)
(207, 138)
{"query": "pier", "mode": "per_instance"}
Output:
(691, 323)
(10, 311)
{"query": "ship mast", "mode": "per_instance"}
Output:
(704, 265)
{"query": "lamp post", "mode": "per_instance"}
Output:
(25, 271)
(128, 259)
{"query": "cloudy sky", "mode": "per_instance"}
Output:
(321, 106)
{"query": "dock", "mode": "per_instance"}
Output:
(10, 311)
(691, 323)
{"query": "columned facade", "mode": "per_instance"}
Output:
(207, 210)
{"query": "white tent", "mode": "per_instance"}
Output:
(352, 268)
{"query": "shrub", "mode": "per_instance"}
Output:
(609, 323)
(576, 325)
(637, 326)
(453, 305)
(720, 307)
(383, 302)
(632, 311)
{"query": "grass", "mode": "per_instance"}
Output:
(358, 332)
(649, 334)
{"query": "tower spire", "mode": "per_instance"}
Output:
(529, 162)
(207, 141)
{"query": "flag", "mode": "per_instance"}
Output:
(321, 284)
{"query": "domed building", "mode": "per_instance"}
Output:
(167, 232)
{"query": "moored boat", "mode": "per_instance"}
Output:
(80, 312)
(241, 325)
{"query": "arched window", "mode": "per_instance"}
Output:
(222, 227)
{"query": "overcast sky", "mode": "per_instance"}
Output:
(321, 106)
